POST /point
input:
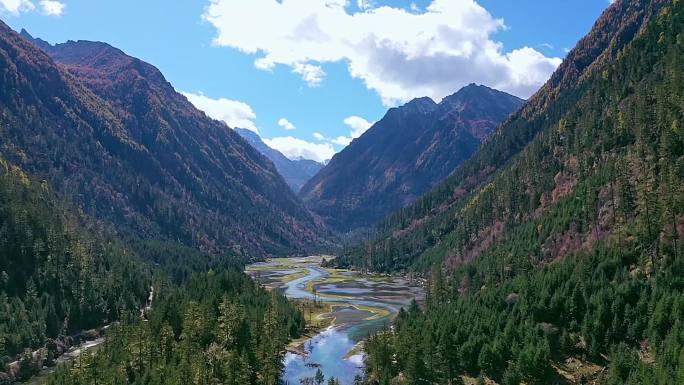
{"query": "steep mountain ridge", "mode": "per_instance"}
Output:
(420, 230)
(407, 152)
(108, 131)
(295, 172)
(555, 253)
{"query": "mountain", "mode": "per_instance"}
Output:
(531, 161)
(111, 134)
(64, 279)
(555, 251)
(402, 156)
(57, 277)
(295, 172)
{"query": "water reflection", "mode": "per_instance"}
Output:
(362, 305)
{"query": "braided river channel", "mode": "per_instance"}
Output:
(342, 307)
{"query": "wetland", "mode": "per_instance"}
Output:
(342, 307)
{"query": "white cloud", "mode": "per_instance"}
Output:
(341, 140)
(234, 113)
(364, 4)
(47, 7)
(399, 53)
(294, 148)
(286, 124)
(358, 125)
(312, 74)
(52, 7)
(15, 7)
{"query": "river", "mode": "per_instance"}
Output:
(351, 306)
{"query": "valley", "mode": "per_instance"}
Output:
(418, 228)
(342, 308)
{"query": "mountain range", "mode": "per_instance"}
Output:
(296, 172)
(110, 133)
(538, 156)
(547, 234)
(555, 252)
(403, 155)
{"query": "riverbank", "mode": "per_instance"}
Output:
(40, 362)
(341, 308)
(33, 369)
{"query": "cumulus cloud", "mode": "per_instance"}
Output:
(286, 124)
(47, 7)
(400, 53)
(312, 74)
(234, 113)
(341, 140)
(295, 148)
(358, 125)
(16, 7)
(364, 4)
(52, 7)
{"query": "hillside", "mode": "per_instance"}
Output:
(561, 238)
(405, 154)
(219, 328)
(110, 133)
(57, 277)
(64, 280)
(295, 172)
(531, 161)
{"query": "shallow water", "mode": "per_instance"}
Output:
(360, 301)
(327, 349)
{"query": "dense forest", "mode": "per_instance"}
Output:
(219, 328)
(64, 278)
(571, 251)
(56, 277)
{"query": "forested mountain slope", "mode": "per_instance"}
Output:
(62, 275)
(57, 278)
(405, 154)
(295, 172)
(579, 121)
(562, 237)
(111, 134)
(220, 328)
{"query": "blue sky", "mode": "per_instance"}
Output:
(312, 66)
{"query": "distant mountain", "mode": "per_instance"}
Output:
(295, 172)
(402, 156)
(111, 134)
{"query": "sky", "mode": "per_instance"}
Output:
(311, 75)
